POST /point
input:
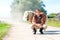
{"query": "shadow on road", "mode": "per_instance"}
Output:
(51, 32)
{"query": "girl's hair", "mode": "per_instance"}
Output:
(38, 10)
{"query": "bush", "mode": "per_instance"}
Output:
(52, 15)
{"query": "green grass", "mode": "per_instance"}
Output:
(53, 23)
(3, 29)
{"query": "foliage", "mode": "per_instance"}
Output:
(24, 5)
(52, 15)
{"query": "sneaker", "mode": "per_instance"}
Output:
(34, 33)
(42, 33)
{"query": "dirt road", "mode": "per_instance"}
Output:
(23, 31)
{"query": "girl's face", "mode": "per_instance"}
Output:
(37, 12)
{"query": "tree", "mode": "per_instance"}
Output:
(52, 15)
(24, 5)
(20, 6)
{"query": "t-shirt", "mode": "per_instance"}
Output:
(38, 18)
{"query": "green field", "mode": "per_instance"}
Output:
(52, 22)
(3, 29)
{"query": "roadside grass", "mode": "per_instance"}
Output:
(3, 29)
(52, 22)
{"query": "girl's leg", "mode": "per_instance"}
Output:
(34, 30)
(41, 30)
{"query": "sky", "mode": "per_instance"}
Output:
(5, 8)
(51, 6)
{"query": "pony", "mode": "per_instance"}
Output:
(28, 15)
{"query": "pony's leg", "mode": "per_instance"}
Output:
(45, 27)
